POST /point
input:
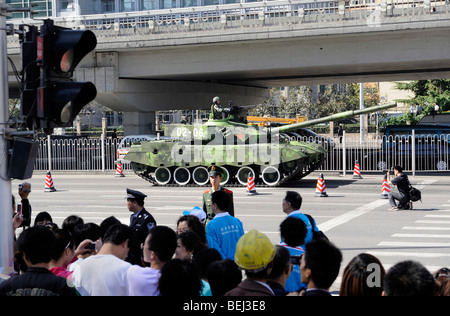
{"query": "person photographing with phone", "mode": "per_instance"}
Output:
(25, 206)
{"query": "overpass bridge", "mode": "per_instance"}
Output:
(180, 58)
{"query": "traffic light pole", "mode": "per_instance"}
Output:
(6, 231)
(51, 57)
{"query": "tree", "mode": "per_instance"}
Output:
(14, 108)
(303, 101)
(426, 93)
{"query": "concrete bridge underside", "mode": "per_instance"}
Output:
(140, 74)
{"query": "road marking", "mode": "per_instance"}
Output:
(438, 216)
(346, 217)
(408, 254)
(431, 222)
(421, 235)
(423, 184)
(425, 228)
(413, 244)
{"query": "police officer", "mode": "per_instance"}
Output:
(215, 177)
(140, 222)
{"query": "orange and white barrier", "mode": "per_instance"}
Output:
(119, 169)
(321, 189)
(385, 188)
(251, 188)
(357, 171)
(49, 187)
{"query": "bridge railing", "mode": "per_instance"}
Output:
(266, 13)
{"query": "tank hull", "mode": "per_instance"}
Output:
(271, 157)
(272, 164)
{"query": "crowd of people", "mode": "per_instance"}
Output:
(206, 255)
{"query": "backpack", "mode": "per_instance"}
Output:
(415, 194)
(316, 234)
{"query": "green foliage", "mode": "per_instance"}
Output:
(331, 99)
(427, 93)
(14, 108)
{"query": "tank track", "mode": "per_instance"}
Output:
(300, 171)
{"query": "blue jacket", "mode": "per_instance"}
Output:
(294, 283)
(223, 233)
(309, 227)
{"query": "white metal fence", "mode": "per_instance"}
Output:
(90, 154)
(426, 153)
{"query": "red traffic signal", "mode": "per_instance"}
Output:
(59, 51)
(65, 48)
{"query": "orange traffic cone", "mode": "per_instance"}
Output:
(356, 171)
(385, 188)
(321, 189)
(49, 187)
(251, 190)
(119, 170)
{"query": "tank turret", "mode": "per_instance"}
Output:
(238, 148)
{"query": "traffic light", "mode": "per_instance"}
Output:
(58, 99)
(30, 74)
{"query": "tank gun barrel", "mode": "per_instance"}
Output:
(334, 117)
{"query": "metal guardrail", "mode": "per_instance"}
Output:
(427, 153)
(239, 15)
(77, 154)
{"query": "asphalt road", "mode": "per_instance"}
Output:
(353, 216)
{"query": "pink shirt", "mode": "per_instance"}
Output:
(62, 272)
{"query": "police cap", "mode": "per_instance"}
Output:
(215, 171)
(136, 195)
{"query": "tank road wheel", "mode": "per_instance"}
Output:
(289, 166)
(271, 175)
(242, 174)
(162, 175)
(182, 176)
(225, 176)
(200, 175)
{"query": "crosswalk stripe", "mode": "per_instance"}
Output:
(425, 228)
(413, 244)
(431, 222)
(421, 235)
(408, 254)
(438, 216)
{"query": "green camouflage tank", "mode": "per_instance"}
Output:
(268, 153)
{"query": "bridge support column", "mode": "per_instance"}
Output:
(139, 123)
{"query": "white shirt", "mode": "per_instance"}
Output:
(73, 265)
(143, 281)
(101, 275)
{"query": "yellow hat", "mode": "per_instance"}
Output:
(254, 251)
